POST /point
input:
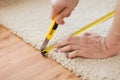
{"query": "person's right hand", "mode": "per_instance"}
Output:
(62, 9)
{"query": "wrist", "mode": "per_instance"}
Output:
(113, 43)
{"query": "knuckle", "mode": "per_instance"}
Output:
(66, 13)
(54, 7)
(69, 38)
(70, 47)
(63, 15)
(84, 38)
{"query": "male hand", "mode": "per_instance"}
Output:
(62, 9)
(89, 45)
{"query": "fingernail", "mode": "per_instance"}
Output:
(69, 56)
(59, 21)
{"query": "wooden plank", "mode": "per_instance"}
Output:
(20, 61)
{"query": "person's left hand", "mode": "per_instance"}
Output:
(89, 45)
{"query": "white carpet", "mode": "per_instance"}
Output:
(30, 20)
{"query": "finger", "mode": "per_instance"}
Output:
(73, 54)
(91, 34)
(87, 34)
(83, 40)
(62, 22)
(69, 48)
(67, 41)
(79, 53)
(65, 13)
(61, 43)
(56, 10)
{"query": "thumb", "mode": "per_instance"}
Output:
(64, 13)
(56, 8)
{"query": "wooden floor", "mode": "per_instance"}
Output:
(20, 61)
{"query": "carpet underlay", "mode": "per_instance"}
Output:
(30, 20)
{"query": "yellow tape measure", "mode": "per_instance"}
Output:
(100, 20)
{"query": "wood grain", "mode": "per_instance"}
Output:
(20, 61)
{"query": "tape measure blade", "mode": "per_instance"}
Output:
(100, 20)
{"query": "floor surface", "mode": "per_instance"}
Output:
(20, 61)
